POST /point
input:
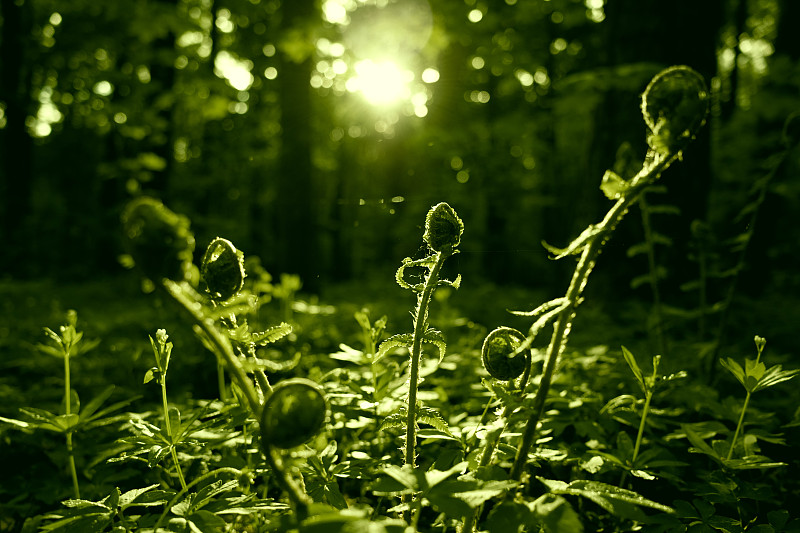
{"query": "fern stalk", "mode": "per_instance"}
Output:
(649, 174)
(420, 326)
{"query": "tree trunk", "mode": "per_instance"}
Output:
(296, 222)
(15, 143)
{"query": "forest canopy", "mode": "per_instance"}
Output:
(313, 133)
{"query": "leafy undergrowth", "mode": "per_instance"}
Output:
(588, 433)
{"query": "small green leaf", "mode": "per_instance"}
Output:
(460, 497)
(556, 514)
(204, 521)
(773, 376)
(698, 443)
(734, 368)
(150, 375)
(67, 423)
(397, 480)
(509, 517)
(14, 422)
(753, 368)
(613, 186)
(637, 372)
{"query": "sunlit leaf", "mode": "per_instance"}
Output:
(401, 340)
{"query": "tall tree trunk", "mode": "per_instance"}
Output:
(15, 143)
(296, 221)
(162, 72)
(728, 105)
(787, 41)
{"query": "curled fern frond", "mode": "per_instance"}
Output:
(674, 106)
(293, 414)
(500, 356)
(222, 269)
(158, 239)
(443, 228)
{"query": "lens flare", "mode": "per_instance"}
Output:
(382, 82)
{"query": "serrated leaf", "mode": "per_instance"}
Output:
(401, 340)
(272, 334)
(393, 421)
(429, 416)
(435, 337)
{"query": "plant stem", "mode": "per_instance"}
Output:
(68, 410)
(299, 500)
(420, 326)
(172, 450)
(647, 398)
(649, 173)
(223, 393)
(223, 346)
(738, 426)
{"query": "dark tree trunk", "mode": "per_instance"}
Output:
(296, 221)
(728, 98)
(15, 143)
(162, 72)
(787, 41)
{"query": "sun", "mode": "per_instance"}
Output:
(381, 83)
